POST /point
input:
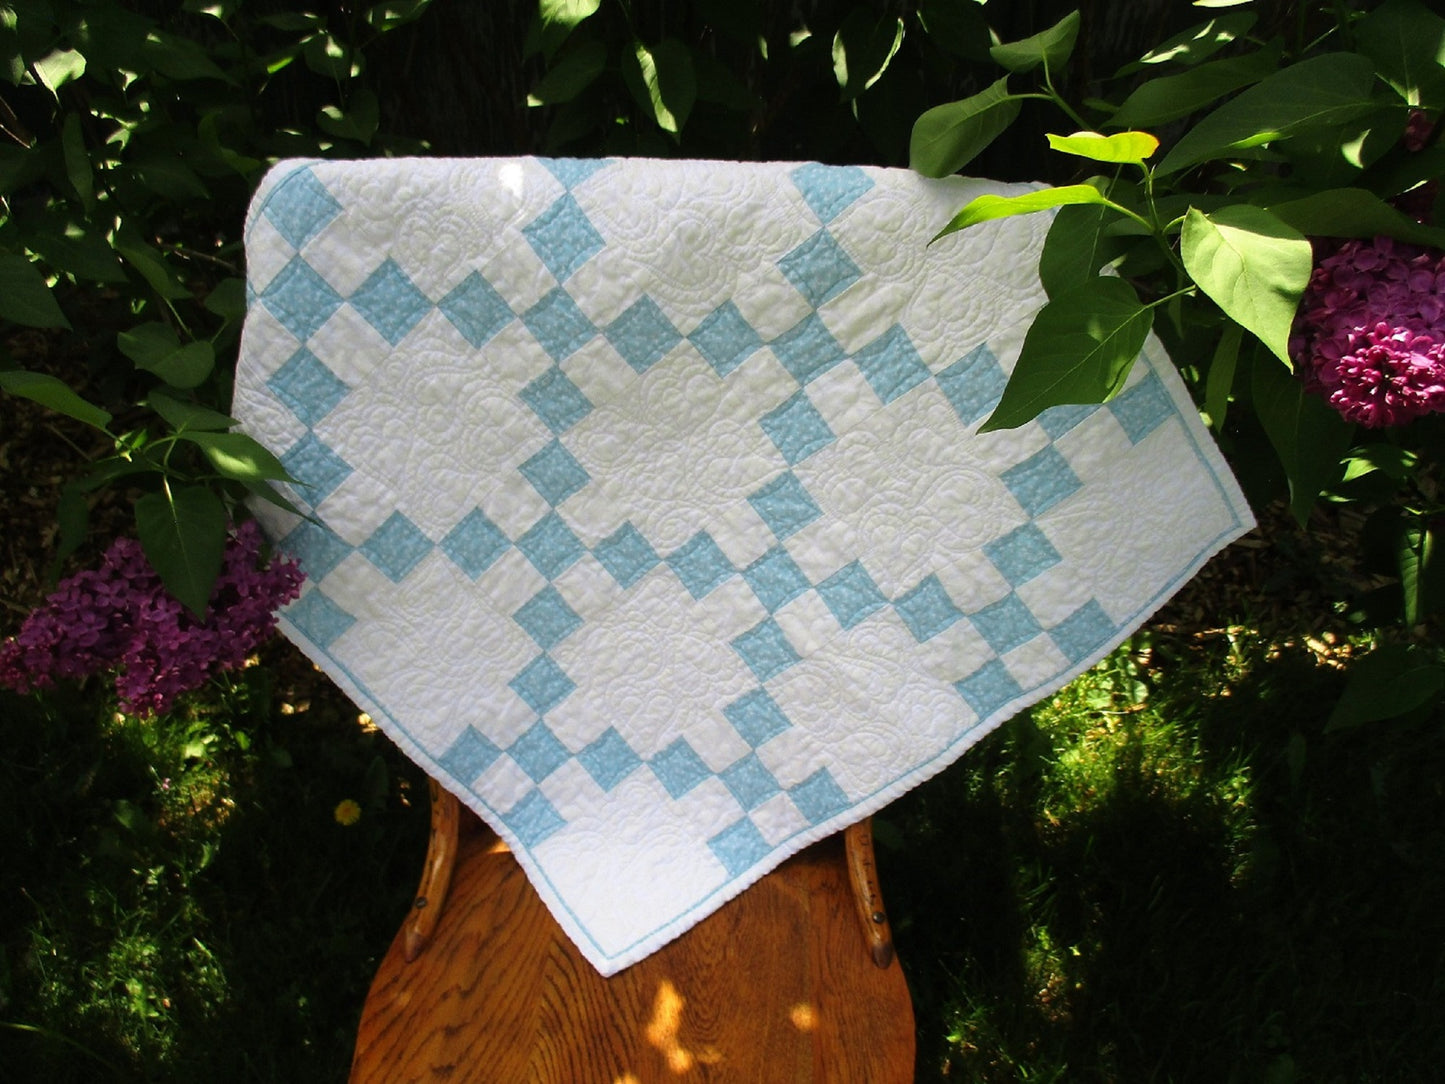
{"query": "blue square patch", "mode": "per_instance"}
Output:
(776, 579)
(1022, 554)
(739, 847)
(725, 339)
(819, 268)
(749, 781)
(756, 717)
(642, 335)
(973, 384)
(609, 760)
(785, 505)
(851, 594)
(556, 400)
(542, 684)
(476, 310)
(700, 565)
(927, 609)
(797, 429)
(396, 547)
(679, 768)
(766, 650)
(538, 752)
(1006, 624)
(551, 546)
(390, 303)
(1041, 481)
(891, 365)
(554, 473)
(547, 618)
(475, 543)
(626, 554)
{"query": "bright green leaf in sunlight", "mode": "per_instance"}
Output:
(183, 533)
(566, 13)
(1128, 147)
(1307, 434)
(55, 394)
(1079, 349)
(1051, 47)
(58, 68)
(985, 208)
(949, 136)
(1388, 682)
(862, 48)
(1316, 93)
(663, 82)
(1252, 266)
(24, 296)
(238, 456)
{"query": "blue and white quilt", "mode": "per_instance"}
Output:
(648, 511)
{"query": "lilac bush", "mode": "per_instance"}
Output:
(119, 619)
(1370, 334)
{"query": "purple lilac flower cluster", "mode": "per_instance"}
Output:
(1370, 334)
(120, 618)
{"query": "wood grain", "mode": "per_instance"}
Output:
(777, 985)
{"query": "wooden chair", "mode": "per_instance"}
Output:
(794, 980)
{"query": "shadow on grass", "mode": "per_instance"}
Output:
(1208, 889)
(177, 900)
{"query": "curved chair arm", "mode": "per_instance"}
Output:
(436, 875)
(863, 873)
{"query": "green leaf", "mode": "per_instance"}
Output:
(1391, 459)
(862, 49)
(948, 137)
(1220, 381)
(74, 247)
(1308, 436)
(19, 166)
(1050, 47)
(984, 208)
(266, 493)
(235, 455)
(180, 58)
(1196, 43)
(170, 177)
(24, 296)
(1079, 349)
(395, 13)
(183, 415)
(53, 393)
(1388, 682)
(1076, 247)
(359, 122)
(957, 26)
(556, 19)
(1407, 43)
(77, 162)
(1126, 147)
(159, 275)
(571, 75)
(662, 81)
(72, 520)
(1173, 96)
(58, 68)
(1353, 212)
(1252, 266)
(1316, 93)
(330, 58)
(183, 534)
(1416, 558)
(156, 349)
(227, 299)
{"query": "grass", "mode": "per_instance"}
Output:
(1167, 872)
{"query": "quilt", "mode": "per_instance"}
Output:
(644, 503)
